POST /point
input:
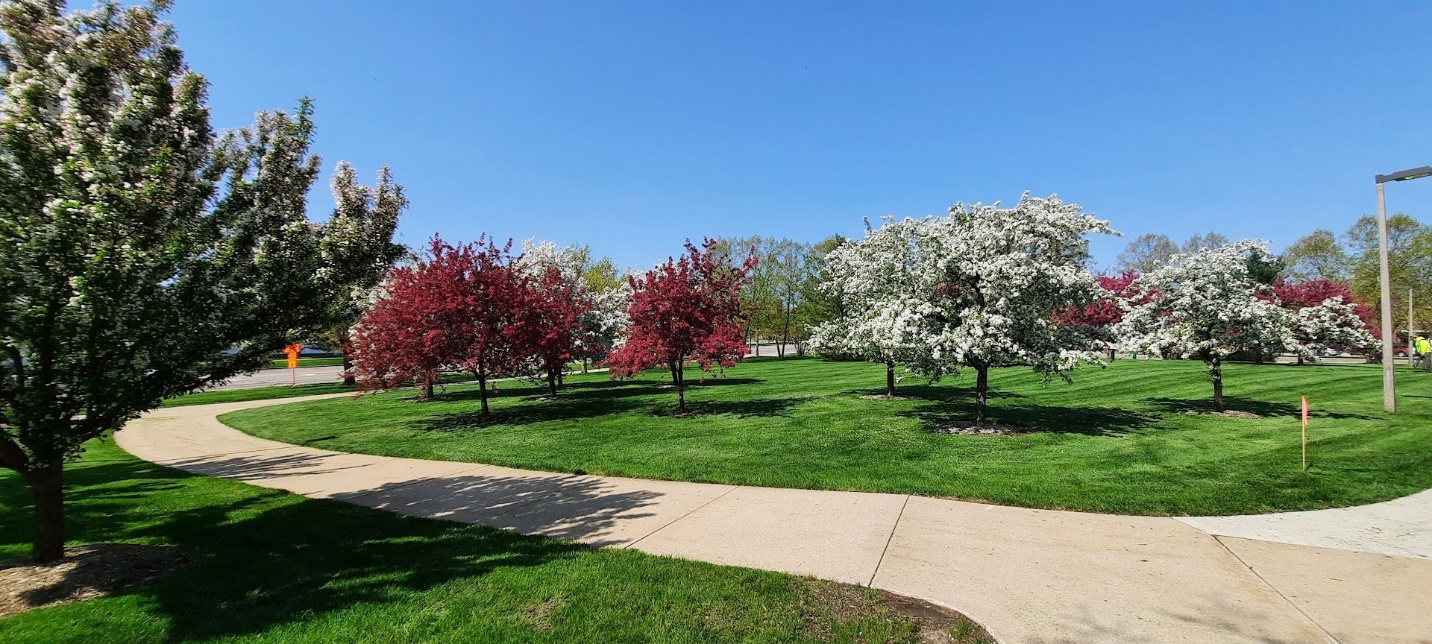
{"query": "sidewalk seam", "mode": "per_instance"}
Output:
(888, 539)
(1275, 589)
(714, 499)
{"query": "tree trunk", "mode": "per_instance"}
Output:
(1300, 358)
(1215, 373)
(981, 393)
(584, 364)
(679, 378)
(785, 335)
(48, 487)
(427, 387)
(482, 389)
(890, 378)
(348, 378)
(1112, 357)
(552, 382)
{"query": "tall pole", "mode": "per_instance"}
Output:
(1410, 327)
(1389, 401)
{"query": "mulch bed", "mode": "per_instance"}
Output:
(1231, 413)
(934, 624)
(86, 572)
(969, 428)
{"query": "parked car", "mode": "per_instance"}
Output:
(1400, 351)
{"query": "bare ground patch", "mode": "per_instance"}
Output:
(932, 624)
(971, 428)
(1231, 413)
(85, 573)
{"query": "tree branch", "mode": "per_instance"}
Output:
(11, 456)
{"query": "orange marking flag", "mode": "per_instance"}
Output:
(294, 349)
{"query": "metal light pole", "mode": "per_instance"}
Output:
(1389, 401)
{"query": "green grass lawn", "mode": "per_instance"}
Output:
(257, 393)
(1116, 440)
(274, 567)
(282, 363)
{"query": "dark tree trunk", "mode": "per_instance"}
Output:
(48, 487)
(981, 393)
(348, 377)
(1112, 357)
(890, 378)
(584, 364)
(482, 389)
(785, 336)
(1215, 373)
(679, 379)
(427, 387)
(552, 382)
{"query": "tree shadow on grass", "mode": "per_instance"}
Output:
(765, 407)
(935, 393)
(1087, 421)
(1262, 408)
(531, 411)
(263, 559)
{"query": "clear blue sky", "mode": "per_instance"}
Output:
(632, 126)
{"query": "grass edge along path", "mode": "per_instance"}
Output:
(1127, 440)
(267, 565)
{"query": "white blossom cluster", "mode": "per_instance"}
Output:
(1206, 306)
(976, 288)
(1331, 325)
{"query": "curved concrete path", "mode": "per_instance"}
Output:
(1027, 575)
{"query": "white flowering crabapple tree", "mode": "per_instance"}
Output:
(136, 247)
(1208, 306)
(995, 280)
(978, 288)
(1333, 324)
(882, 308)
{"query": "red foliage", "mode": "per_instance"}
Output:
(686, 309)
(551, 308)
(457, 309)
(1296, 295)
(1105, 311)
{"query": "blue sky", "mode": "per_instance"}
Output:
(632, 126)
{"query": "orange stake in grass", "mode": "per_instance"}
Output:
(292, 352)
(1305, 433)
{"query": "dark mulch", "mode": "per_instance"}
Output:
(934, 624)
(86, 572)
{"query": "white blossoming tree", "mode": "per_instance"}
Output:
(884, 313)
(978, 288)
(1208, 306)
(1333, 324)
(995, 279)
(141, 256)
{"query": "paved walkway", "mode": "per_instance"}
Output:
(1027, 575)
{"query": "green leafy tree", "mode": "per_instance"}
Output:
(1318, 255)
(1147, 252)
(817, 306)
(141, 256)
(1409, 258)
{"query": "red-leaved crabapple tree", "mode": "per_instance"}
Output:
(684, 310)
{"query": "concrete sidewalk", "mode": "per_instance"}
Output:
(1027, 575)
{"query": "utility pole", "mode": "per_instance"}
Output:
(1411, 342)
(1389, 398)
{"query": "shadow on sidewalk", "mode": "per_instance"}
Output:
(581, 508)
